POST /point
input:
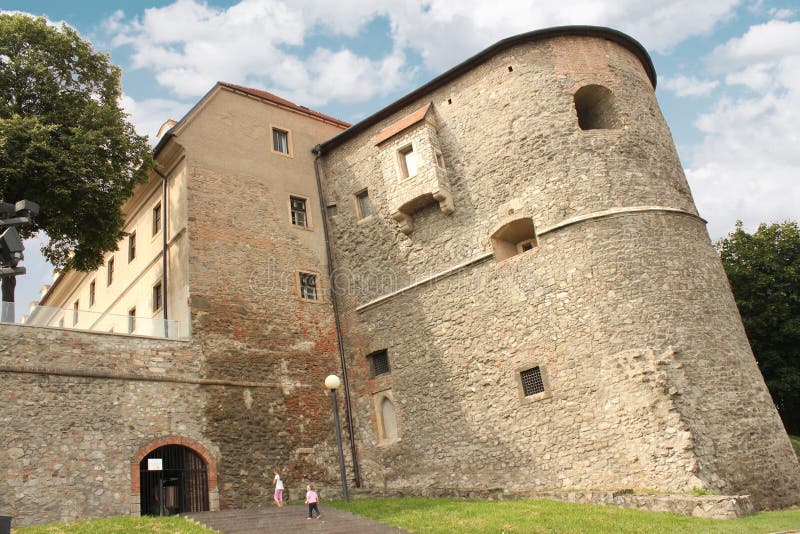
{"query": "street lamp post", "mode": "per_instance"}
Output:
(332, 383)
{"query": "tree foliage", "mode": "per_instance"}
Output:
(64, 141)
(764, 272)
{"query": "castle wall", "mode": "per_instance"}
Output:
(649, 379)
(74, 417)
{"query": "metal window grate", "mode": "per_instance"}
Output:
(532, 381)
(379, 362)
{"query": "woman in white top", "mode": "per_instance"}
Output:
(278, 483)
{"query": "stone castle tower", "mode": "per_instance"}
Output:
(532, 300)
(522, 298)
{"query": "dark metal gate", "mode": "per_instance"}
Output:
(180, 486)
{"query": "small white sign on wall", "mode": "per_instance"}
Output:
(155, 464)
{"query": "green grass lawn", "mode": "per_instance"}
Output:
(423, 515)
(119, 525)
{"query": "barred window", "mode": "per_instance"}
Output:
(379, 363)
(297, 207)
(308, 286)
(532, 382)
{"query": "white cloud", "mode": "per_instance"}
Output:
(148, 115)
(189, 45)
(689, 86)
(747, 165)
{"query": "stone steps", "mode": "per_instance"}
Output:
(289, 519)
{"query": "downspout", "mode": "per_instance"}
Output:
(164, 262)
(317, 150)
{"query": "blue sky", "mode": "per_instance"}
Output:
(729, 72)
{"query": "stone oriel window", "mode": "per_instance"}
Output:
(363, 205)
(408, 161)
(379, 363)
(514, 237)
(308, 286)
(157, 218)
(281, 141)
(594, 105)
(298, 211)
(131, 247)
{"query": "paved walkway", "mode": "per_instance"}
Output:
(290, 519)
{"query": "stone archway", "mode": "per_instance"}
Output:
(196, 449)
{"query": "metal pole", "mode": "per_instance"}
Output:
(339, 444)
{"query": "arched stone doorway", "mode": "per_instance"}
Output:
(173, 475)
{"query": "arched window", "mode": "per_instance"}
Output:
(594, 105)
(514, 237)
(388, 420)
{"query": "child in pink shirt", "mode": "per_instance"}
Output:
(312, 500)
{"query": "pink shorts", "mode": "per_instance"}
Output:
(278, 494)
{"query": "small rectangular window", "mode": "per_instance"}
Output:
(379, 363)
(532, 382)
(408, 162)
(157, 297)
(157, 218)
(110, 272)
(308, 286)
(297, 207)
(131, 320)
(332, 210)
(364, 208)
(75, 313)
(131, 247)
(91, 293)
(280, 141)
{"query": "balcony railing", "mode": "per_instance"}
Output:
(91, 321)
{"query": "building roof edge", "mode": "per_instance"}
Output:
(590, 31)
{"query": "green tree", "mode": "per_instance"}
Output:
(65, 143)
(764, 272)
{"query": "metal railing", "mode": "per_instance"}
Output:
(92, 321)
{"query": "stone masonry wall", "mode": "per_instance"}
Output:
(650, 382)
(247, 315)
(68, 440)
